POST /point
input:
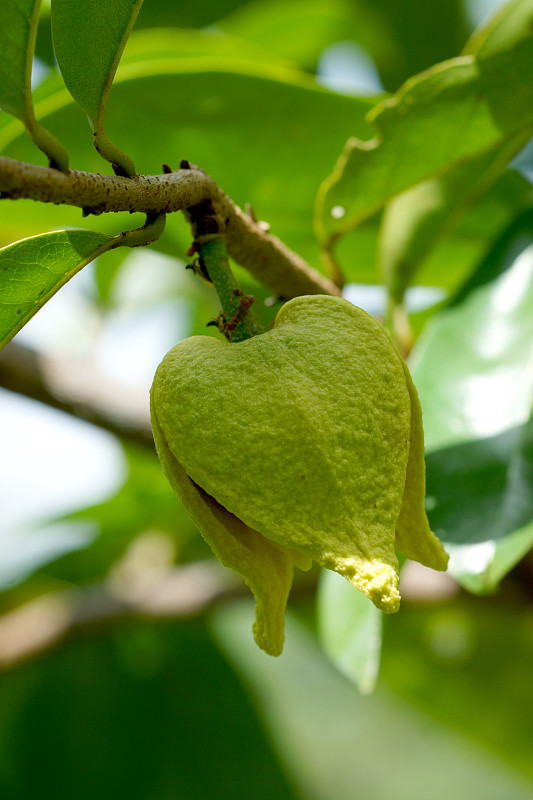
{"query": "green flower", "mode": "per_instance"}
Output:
(301, 444)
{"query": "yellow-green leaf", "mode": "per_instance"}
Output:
(32, 270)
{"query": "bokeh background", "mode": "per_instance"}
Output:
(127, 666)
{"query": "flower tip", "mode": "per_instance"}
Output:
(386, 598)
(271, 642)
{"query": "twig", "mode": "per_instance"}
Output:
(262, 254)
(177, 592)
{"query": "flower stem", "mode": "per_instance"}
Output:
(237, 321)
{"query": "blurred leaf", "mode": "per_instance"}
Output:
(26, 549)
(18, 29)
(414, 221)
(423, 34)
(299, 30)
(450, 114)
(88, 41)
(473, 367)
(44, 48)
(18, 21)
(510, 23)
(483, 495)
(402, 39)
(333, 740)
(501, 256)
(182, 13)
(523, 163)
(349, 630)
(143, 505)
(467, 665)
(31, 271)
(163, 43)
(144, 711)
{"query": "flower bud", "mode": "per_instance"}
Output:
(300, 444)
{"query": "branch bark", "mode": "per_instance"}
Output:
(262, 254)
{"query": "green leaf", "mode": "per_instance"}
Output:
(184, 14)
(474, 373)
(338, 745)
(414, 221)
(18, 29)
(483, 492)
(144, 709)
(267, 121)
(510, 23)
(423, 34)
(467, 665)
(300, 30)
(349, 630)
(18, 24)
(163, 43)
(32, 270)
(88, 41)
(450, 114)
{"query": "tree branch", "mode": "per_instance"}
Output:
(263, 255)
(77, 390)
(174, 592)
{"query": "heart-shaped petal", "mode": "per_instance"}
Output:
(305, 434)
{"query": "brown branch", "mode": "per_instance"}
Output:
(77, 390)
(263, 255)
(175, 592)
(157, 591)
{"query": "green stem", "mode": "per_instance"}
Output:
(121, 163)
(332, 266)
(237, 321)
(47, 142)
(139, 237)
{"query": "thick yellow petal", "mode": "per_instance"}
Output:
(267, 569)
(414, 537)
(301, 432)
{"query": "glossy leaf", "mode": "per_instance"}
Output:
(32, 270)
(349, 630)
(473, 368)
(288, 102)
(18, 21)
(278, 110)
(450, 114)
(88, 41)
(414, 221)
(18, 28)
